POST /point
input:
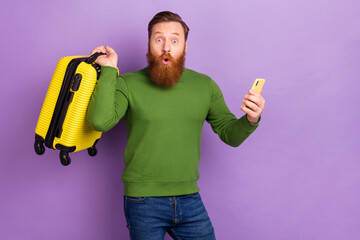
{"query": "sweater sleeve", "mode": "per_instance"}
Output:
(231, 130)
(109, 101)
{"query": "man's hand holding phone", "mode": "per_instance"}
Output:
(254, 103)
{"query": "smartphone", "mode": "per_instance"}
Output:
(257, 85)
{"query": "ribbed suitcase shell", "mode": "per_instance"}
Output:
(76, 131)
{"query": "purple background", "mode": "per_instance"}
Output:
(296, 177)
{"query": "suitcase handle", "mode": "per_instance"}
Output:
(93, 57)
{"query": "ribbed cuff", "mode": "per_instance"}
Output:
(249, 127)
(108, 72)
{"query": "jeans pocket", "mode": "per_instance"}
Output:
(135, 199)
(195, 195)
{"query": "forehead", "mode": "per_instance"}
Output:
(168, 28)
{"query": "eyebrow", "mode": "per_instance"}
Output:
(175, 33)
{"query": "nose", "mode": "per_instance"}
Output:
(166, 47)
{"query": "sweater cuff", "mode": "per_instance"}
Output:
(249, 127)
(108, 72)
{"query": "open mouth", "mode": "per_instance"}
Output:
(166, 61)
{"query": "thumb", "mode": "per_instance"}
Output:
(110, 50)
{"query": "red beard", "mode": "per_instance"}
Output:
(165, 75)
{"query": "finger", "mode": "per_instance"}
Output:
(112, 53)
(259, 101)
(253, 92)
(110, 50)
(100, 49)
(247, 110)
(251, 105)
(96, 50)
(252, 98)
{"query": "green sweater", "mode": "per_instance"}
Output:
(163, 127)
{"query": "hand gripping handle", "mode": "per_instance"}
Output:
(93, 57)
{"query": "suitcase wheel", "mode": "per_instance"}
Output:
(65, 158)
(92, 151)
(39, 147)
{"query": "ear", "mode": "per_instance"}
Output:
(185, 46)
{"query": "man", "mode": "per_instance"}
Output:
(164, 107)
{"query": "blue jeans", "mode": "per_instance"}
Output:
(182, 217)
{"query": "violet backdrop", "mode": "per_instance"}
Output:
(296, 177)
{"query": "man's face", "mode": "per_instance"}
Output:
(167, 37)
(166, 55)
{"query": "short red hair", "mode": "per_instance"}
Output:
(167, 16)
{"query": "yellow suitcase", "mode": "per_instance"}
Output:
(62, 123)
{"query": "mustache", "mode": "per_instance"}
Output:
(166, 56)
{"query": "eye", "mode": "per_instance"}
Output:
(158, 39)
(175, 41)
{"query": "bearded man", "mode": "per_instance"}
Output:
(164, 107)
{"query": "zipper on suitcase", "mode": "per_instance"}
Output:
(63, 102)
